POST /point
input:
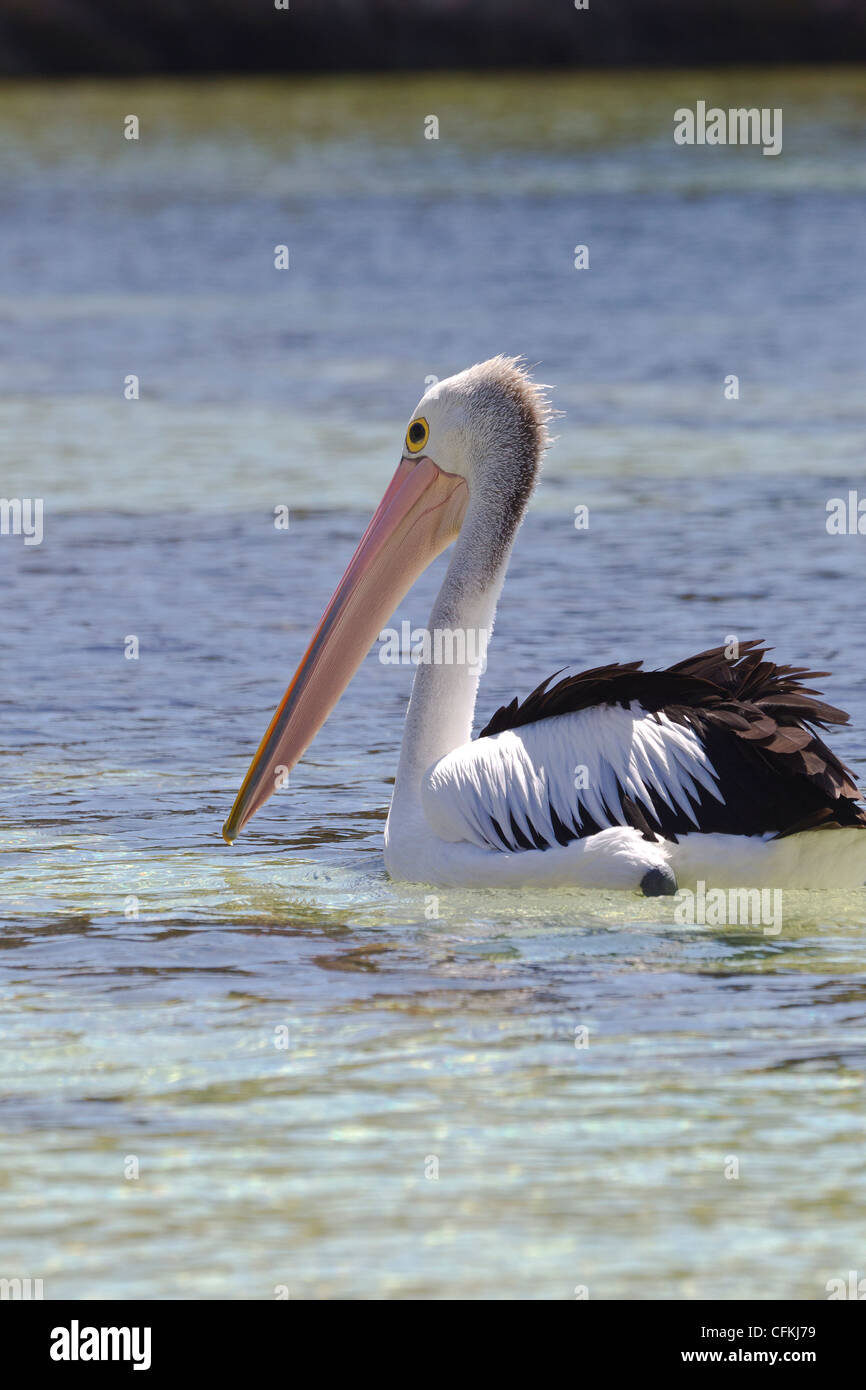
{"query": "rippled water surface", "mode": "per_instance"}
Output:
(288, 1045)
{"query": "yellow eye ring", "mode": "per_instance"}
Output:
(417, 435)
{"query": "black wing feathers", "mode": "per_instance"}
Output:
(757, 721)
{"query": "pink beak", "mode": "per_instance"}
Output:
(421, 513)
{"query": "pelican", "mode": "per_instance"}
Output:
(616, 777)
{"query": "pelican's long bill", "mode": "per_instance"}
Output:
(420, 514)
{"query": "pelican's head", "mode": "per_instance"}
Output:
(471, 452)
(490, 419)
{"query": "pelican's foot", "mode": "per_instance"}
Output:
(659, 882)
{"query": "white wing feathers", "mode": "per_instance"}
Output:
(576, 766)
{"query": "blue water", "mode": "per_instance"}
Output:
(146, 968)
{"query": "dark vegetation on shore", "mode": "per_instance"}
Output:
(117, 37)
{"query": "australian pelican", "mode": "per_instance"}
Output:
(614, 778)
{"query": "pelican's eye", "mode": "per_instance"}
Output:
(417, 435)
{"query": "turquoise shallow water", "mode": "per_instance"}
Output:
(412, 1044)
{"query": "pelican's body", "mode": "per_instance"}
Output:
(615, 778)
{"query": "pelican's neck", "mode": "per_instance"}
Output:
(442, 704)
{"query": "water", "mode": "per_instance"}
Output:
(411, 1042)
